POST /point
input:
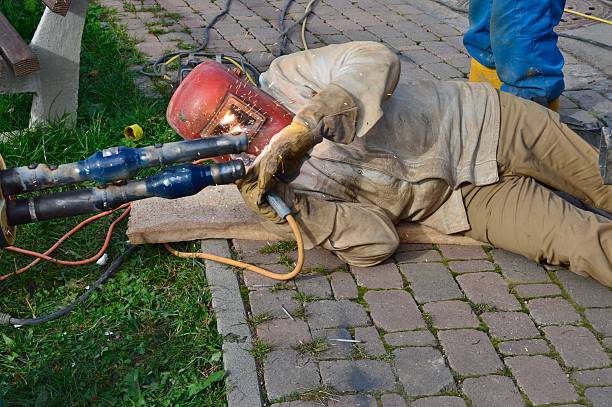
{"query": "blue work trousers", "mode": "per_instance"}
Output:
(516, 37)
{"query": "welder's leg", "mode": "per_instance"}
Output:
(360, 234)
(524, 44)
(519, 215)
(534, 143)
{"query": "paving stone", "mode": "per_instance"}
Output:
(372, 345)
(393, 400)
(489, 289)
(523, 347)
(250, 252)
(519, 269)
(442, 50)
(343, 285)
(442, 30)
(442, 70)
(599, 377)
(608, 343)
(471, 266)
(441, 401)
(394, 310)
(421, 57)
(410, 338)
(241, 381)
(359, 400)
(314, 285)
(451, 315)
(601, 319)
(284, 333)
(357, 375)
(537, 290)
(577, 346)
(335, 349)
(333, 314)
(599, 396)
(585, 291)
(542, 379)
(510, 325)
(255, 281)
(361, 35)
(287, 372)
(297, 403)
(552, 311)
(422, 371)
(492, 391)
(320, 258)
(383, 275)
(423, 256)
(268, 302)
(470, 352)
(411, 247)
(431, 282)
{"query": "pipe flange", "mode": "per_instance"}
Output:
(7, 232)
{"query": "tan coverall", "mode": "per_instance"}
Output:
(455, 156)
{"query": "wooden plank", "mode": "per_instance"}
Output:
(15, 51)
(58, 6)
(219, 213)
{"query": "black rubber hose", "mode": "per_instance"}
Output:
(283, 38)
(6, 319)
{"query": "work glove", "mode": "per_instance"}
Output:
(284, 154)
(253, 196)
(330, 114)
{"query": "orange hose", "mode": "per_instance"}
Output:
(276, 276)
(45, 255)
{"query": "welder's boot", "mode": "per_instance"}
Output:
(480, 73)
(554, 105)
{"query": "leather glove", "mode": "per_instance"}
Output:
(284, 154)
(253, 196)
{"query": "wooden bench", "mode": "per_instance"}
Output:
(49, 65)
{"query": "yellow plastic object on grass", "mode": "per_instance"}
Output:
(133, 132)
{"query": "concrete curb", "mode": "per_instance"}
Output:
(241, 382)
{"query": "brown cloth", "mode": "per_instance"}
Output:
(522, 215)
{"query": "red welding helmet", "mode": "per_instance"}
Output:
(215, 100)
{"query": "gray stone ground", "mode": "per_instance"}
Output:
(436, 325)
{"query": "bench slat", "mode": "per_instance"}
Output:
(58, 6)
(15, 51)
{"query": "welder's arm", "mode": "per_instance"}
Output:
(360, 234)
(330, 82)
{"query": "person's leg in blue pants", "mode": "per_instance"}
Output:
(522, 45)
(477, 39)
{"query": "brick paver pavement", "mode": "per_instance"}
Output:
(435, 326)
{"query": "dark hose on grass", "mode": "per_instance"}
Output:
(7, 319)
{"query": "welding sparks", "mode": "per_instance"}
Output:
(228, 118)
(237, 129)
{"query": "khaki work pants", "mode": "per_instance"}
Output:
(521, 214)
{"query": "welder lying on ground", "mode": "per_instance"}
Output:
(364, 152)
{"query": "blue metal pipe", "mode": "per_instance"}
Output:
(117, 163)
(172, 183)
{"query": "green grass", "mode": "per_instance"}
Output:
(148, 337)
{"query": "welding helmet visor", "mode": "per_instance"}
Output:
(214, 100)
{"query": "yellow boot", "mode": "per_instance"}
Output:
(480, 73)
(554, 105)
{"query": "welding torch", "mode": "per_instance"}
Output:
(112, 170)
